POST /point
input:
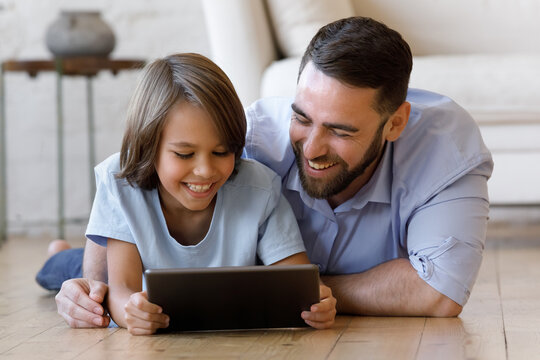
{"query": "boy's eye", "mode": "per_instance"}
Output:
(221, 153)
(184, 156)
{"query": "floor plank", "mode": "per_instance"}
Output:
(500, 321)
(519, 273)
(380, 338)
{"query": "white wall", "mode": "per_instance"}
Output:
(144, 29)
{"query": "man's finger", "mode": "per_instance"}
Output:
(77, 308)
(77, 316)
(78, 294)
(98, 291)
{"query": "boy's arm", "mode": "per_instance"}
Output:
(128, 306)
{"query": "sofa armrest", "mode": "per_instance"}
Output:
(241, 42)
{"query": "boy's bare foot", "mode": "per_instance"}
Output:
(56, 246)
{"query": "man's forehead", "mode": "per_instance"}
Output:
(350, 108)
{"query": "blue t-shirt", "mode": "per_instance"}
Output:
(251, 218)
(427, 199)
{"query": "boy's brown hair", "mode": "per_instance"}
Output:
(181, 77)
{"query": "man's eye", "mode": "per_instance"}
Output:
(299, 120)
(184, 156)
(340, 134)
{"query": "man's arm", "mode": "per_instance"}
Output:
(390, 289)
(445, 239)
(79, 301)
(95, 261)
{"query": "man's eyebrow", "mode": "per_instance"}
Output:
(327, 125)
(299, 111)
(343, 127)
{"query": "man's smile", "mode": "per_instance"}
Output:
(320, 166)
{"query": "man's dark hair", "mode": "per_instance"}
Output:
(362, 52)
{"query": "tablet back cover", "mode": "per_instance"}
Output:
(249, 297)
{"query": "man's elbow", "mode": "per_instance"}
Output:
(445, 307)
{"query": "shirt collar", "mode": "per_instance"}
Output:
(377, 189)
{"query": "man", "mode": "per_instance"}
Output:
(390, 195)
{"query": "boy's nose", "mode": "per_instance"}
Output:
(204, 168)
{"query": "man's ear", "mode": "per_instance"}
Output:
(397, 122)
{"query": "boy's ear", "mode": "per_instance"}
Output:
(397, 122)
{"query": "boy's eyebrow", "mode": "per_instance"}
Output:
(186, 144)
(327, 125)
(181, 144)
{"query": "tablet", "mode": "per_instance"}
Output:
(244, 297)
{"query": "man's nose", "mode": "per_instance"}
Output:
(315, 144)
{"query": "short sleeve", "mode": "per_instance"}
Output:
(107, 218)
(279, 235)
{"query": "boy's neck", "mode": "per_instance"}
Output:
(188, 227)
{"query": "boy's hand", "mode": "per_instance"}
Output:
(143, 317)
(323, 314)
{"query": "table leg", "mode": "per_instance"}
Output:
(60, 150)
(3, 161)
(91, 138)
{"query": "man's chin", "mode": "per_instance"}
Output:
(314, 188)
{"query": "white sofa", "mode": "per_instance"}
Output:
(483, 54)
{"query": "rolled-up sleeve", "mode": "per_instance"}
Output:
(446, 237)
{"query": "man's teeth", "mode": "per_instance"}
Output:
(198, 188)
(320, 166)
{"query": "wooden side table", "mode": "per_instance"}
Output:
(88, 67)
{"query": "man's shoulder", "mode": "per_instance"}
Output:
(267, 137)
(270, 106)
(440, 143)
(253, 174)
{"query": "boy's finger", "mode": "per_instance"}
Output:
(138, 314)
(140, 301)
(320, 325)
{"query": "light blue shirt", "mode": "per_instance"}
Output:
(251, 218)
(427, 199)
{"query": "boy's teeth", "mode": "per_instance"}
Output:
(319, 166)
(198, 188)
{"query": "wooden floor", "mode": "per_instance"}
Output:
(501, 320)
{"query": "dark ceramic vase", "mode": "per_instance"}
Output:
(80, 33)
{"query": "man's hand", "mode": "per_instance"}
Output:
(79, 302)
(323, 314)
(142, 317)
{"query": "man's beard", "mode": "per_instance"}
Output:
(326, 188)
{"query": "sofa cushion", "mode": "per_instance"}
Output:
(460, 26)
(487, 85)
(295, 22)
